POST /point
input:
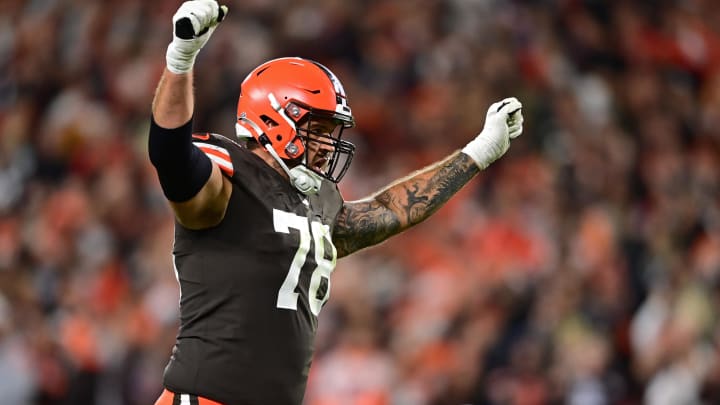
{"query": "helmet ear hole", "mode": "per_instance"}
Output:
(271, 123)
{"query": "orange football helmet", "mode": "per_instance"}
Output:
(278, 102)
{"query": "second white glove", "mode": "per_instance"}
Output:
(504, 121)
(193, 24)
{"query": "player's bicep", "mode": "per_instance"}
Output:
(363, 223)
(207, 208)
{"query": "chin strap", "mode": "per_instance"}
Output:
(305, 180)
(302, 178)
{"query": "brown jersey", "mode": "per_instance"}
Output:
(252, 286)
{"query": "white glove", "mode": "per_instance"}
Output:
(193, 23)
(503, 122)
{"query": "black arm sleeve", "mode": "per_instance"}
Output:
(182, 168)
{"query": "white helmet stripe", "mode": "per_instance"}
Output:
(341, 106)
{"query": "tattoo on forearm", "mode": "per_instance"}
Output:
(365, 224)
(404, 203)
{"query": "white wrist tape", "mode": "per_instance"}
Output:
(180, 60)
(486, 149)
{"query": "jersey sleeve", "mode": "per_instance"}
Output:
(217, 153)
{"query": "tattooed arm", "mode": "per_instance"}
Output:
(402, 204)
(414, 198)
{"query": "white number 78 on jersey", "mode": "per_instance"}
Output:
(319, 234)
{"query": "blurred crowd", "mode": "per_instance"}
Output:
(582, 268)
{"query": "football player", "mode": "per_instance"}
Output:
(260, 222)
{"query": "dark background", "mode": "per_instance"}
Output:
(582, 268)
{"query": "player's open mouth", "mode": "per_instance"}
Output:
(319, 164)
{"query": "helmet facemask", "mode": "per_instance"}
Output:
(336, 153)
